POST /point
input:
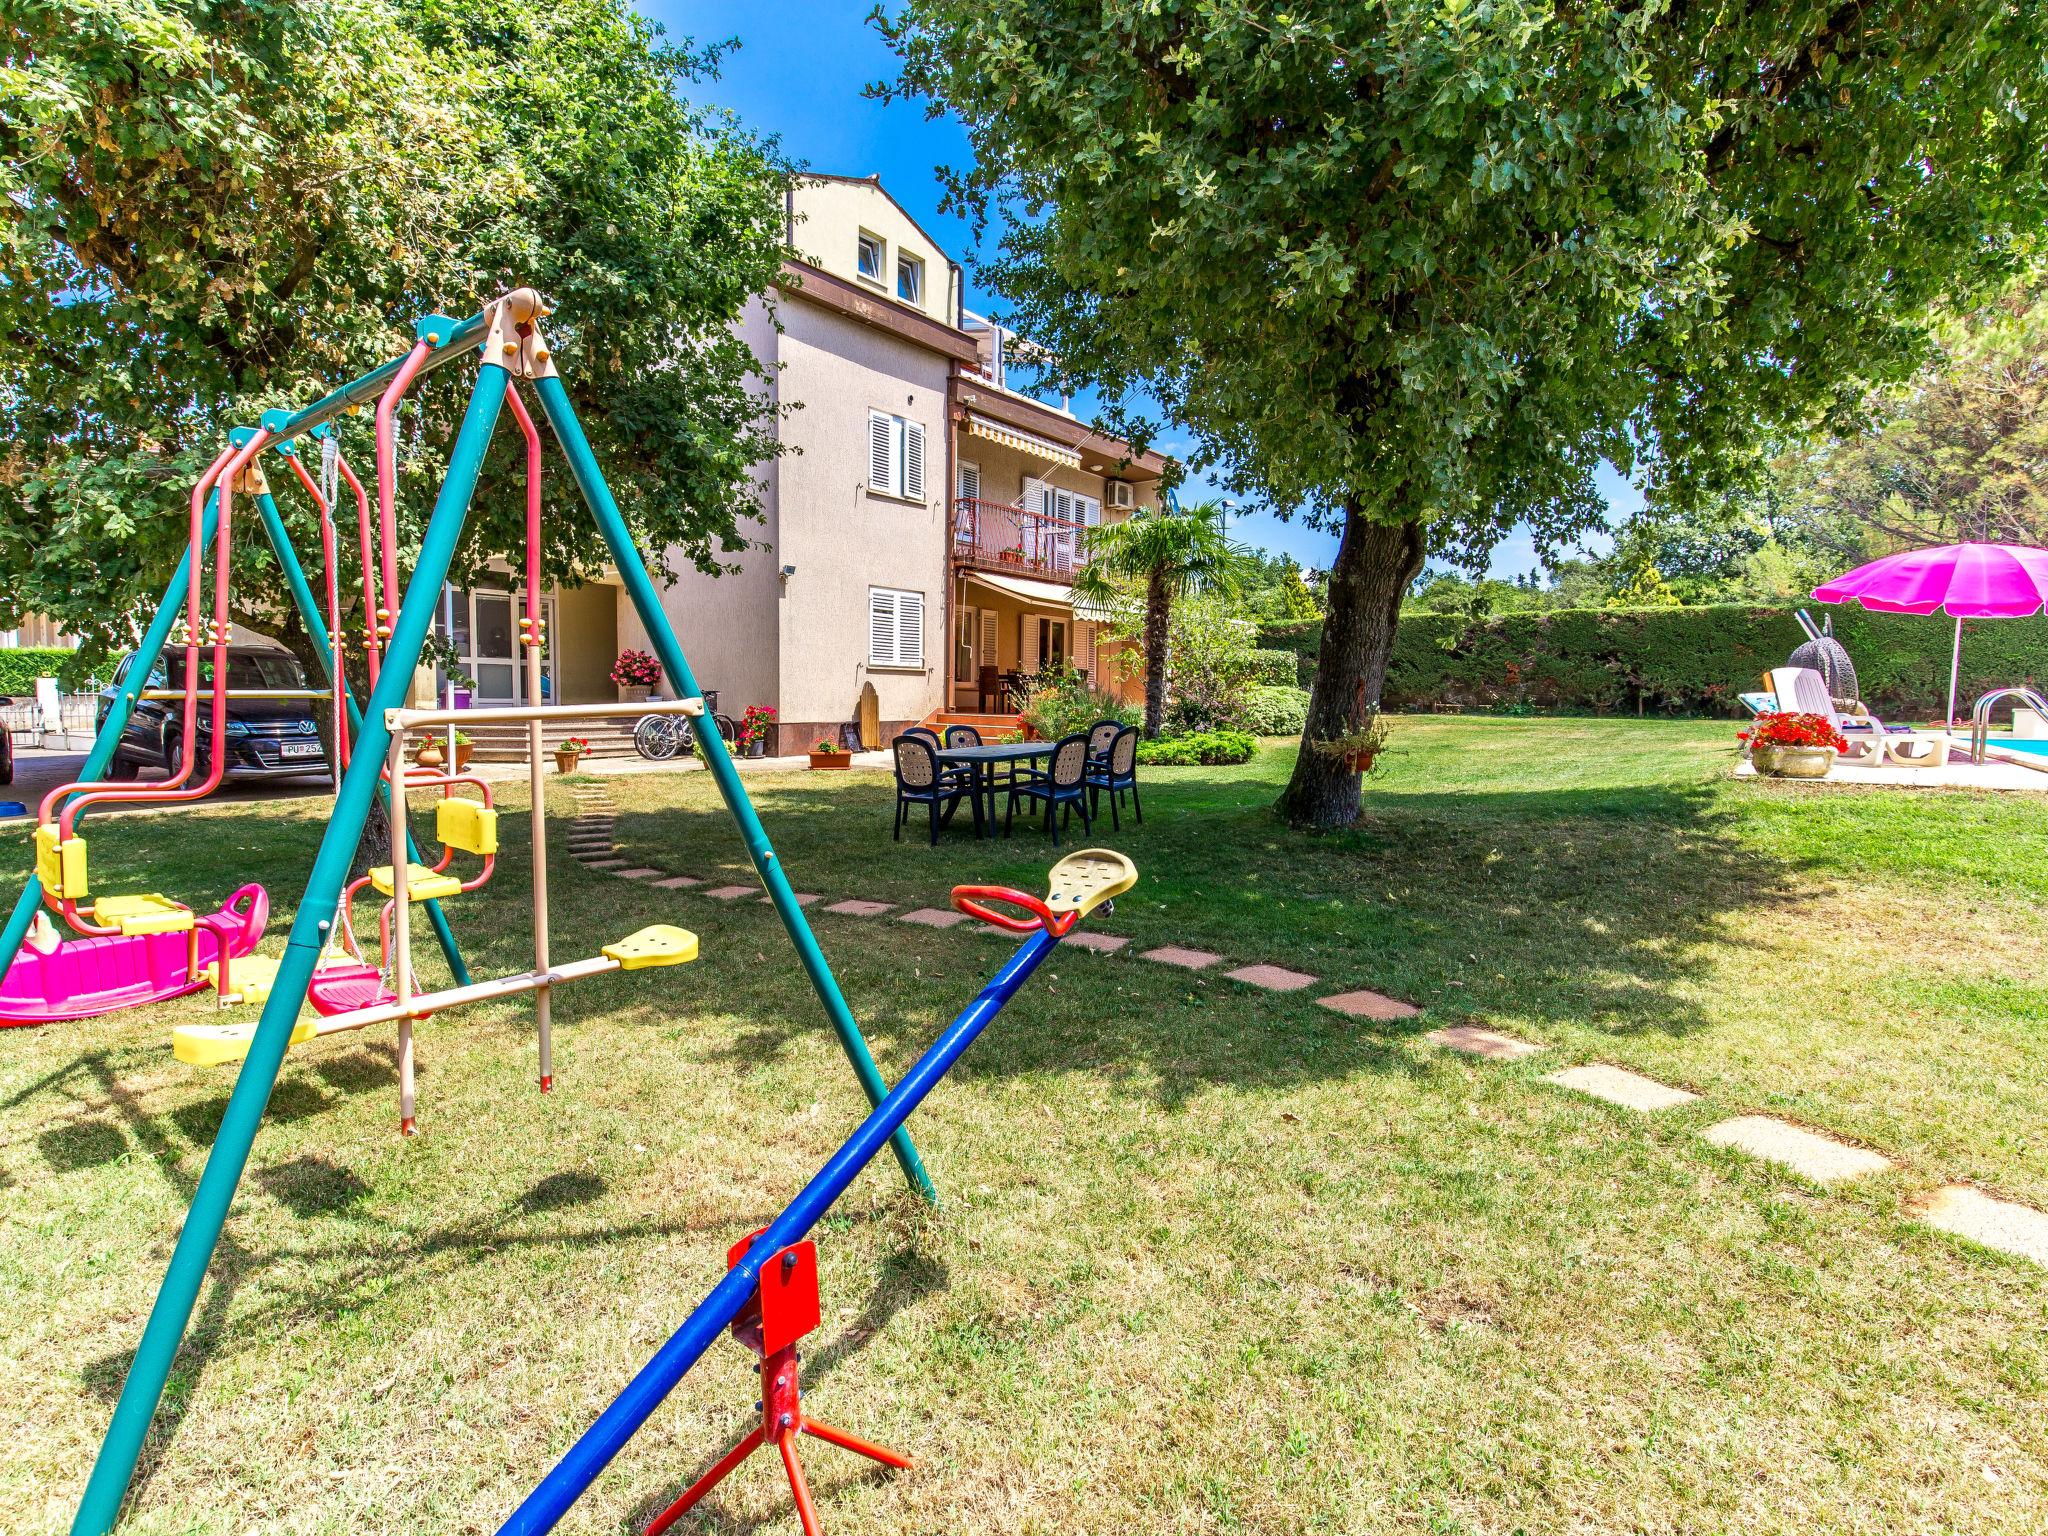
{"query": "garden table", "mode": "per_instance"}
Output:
(982, 762)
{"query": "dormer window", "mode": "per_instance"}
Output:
(909, 279)
(872, 256)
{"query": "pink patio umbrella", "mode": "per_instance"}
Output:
(1965, 581)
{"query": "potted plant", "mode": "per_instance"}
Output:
(829, 754)
(1358, 750)
(568, 751)
(635, 673)
(1014, 555)
(755, 725)
(464, 747)
(1785, 745)
(428, 753)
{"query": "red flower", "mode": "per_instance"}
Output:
(1793, 730)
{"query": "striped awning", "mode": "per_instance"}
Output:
(1024, 442)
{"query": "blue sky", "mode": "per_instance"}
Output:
(798, 75)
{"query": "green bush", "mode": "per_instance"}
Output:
(1060, 703)
(1678, 661)
(1277, 669)
(1301, 639)
(1270, 711)
(20, 667)
(1204, 748)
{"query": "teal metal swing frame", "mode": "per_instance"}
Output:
(505, 334)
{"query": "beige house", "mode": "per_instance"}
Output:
(919, 533)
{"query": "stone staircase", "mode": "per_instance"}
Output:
(992, 727)
(507, 743)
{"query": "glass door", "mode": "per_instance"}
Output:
(485, 638)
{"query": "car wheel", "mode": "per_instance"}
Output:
(121, 769)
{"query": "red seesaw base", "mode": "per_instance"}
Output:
(784, 1309)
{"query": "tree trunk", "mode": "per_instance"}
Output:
(1375, 563)
(1157, 606)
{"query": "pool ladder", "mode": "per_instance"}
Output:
(1980, 721)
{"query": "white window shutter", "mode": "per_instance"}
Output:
(881, 453)
(1091, 512)
(1028, 651)
(1084, 649)
(910, 629)
(987, 656)
(1034, 496)
(970, 481)
(913, 460)
(881, 628)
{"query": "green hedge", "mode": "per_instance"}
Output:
(1275, 711)
(1275, 668)
(1678, 660)
(22, 665)
(1204, 748)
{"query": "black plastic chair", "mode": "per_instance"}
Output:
(1119, 772)
(1100, 735)
(919, 782)
(1063, 786)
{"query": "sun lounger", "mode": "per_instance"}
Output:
(1802, 690)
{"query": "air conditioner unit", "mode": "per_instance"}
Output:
(1121, 495)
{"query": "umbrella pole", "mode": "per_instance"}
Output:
(1955, 663)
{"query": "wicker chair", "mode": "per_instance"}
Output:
(1100, 735)
(1063, 787)
(1116, 774)
(919, 782)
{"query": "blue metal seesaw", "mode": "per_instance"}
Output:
(1080, 883)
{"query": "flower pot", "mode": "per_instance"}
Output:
(1793, 762)
(1359, 762)
(758, 747)
(634, 693)
(831, 759)
(463, 751)
(429, 754)
(565, 762)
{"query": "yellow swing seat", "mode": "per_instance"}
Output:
(145, 913)
(421, 883)
(215, 1045)
(659, 944)
(252, 977)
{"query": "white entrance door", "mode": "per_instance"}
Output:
(486, 643)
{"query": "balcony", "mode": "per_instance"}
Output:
(997, 536)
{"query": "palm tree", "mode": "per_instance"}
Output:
(1170, 552)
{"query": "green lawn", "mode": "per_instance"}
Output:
(1208, 1260)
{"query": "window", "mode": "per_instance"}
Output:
(895, 456)
(909, 278)
(970, 481)
(895, 628)
(871, 256)
(966, 629)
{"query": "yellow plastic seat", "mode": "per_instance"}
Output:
(252, 977)
(467, 824)
(1088, 877)
(215, 1045)
(60, 864)
(421, 883)
(660, 944)
(147, 913)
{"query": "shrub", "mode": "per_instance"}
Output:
(1059, 703)
(1675, 660)
(1204, 748)
(1270, 711)
(21, 666)
(1276, 669)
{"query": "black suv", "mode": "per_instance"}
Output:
(267, 738)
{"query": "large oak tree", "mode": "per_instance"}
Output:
(207, 209)
(1412, 268)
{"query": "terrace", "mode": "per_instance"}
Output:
(1003, 537)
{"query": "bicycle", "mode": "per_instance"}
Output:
(661, 737)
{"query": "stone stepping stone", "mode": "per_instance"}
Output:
(860, 908)
(677, 883)
(1966, 1211)
(1101, 943)
(1474, 1041)
(801, 898)
(732, 892)
(1631, 1090)
(933, 917)
(1272, 978)
(1369, 1005)
(642, 873)
(1808, 1153)
(602, 863)
(1186, 959)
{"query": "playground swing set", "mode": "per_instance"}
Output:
(138, 949)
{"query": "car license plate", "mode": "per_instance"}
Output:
(299, 749)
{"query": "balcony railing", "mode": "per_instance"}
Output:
(998, 536)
